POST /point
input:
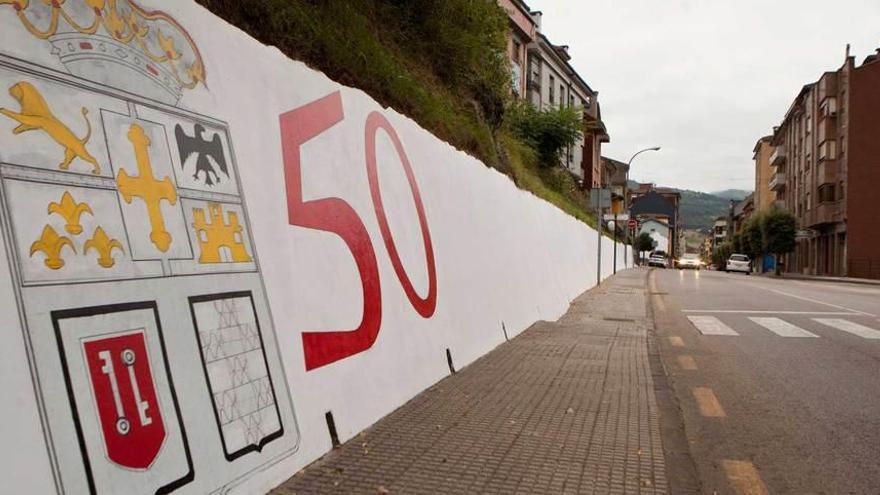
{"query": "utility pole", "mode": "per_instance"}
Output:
(599, 200)
(626, 205)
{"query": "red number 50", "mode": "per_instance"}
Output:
(335, 215)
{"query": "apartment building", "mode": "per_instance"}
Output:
(825, 170)
(740, 212)
(541, 73)
(763, 196)
(614, 176)
(522, 32)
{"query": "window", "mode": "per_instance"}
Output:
(561, 95)
(517, 50)
(826, 193)
(552, 95)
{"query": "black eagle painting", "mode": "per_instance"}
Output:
(206, 151)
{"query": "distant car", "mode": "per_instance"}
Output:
(657, 260)
(739, 263)
(690, 261)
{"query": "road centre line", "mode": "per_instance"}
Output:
(782, 327)
(809, 299)
(708, 403)
(767, 311)
(743, 477)
(687, 363)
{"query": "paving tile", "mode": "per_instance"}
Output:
(565, 407)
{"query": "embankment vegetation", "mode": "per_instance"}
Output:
(442, 63)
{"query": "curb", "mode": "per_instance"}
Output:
(835, 280)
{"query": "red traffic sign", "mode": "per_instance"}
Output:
(632, 224)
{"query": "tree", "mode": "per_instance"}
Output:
(736, 243)
(549, 132)
(779, 229)
(721, 254)
(753, 236)
(644, 242)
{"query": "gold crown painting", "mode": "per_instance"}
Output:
(117, 43)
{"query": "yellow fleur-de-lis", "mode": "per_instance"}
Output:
(71, 211)
(104, 245)
(51, 244)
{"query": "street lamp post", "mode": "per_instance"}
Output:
(626, 205)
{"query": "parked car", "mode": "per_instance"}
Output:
(657, 260)
(739, 263)
(689, 260)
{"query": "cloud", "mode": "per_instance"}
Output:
(703, 79)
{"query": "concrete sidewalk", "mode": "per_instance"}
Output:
(565, 407)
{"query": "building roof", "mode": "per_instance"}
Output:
(764, 139)
(653, 203)
(741, 206)
(560, 53)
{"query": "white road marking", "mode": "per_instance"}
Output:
(709, 325)
(768, 312)
(848, 326)
(814, 301)
(782, 327)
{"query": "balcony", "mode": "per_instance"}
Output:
(827, 129)
(826, 172)
(828, 150)
(828, 107)
(827, 86)
(778, 181)
(825, 213)
(778, 156)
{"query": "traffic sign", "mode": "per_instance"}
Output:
(600, 198)
(632, 224)
(620, 217)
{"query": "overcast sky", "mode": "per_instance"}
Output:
(704, 79)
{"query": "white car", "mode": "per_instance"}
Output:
(739, 263)
(688, 260)
(657, 260)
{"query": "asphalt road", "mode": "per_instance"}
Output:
(778, 381)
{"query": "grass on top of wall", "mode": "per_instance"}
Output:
(440, 62)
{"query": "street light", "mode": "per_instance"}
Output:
(626, 196)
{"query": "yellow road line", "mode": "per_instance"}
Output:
(658, 301)
(676, 341)
(708, 403)
(744, 478)
(687, 363)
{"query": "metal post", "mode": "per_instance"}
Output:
(626, 204)
(599, 243)
(614, 270)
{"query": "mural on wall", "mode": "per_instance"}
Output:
(335, 215)
(141, 295)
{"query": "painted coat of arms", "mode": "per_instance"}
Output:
(132, 256)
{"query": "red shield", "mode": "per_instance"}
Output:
(125, 395)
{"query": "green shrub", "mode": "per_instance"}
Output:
(442, 63)
(550, 132)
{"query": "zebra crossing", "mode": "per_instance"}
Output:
(713, 326)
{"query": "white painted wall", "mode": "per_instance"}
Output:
(502, 256)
